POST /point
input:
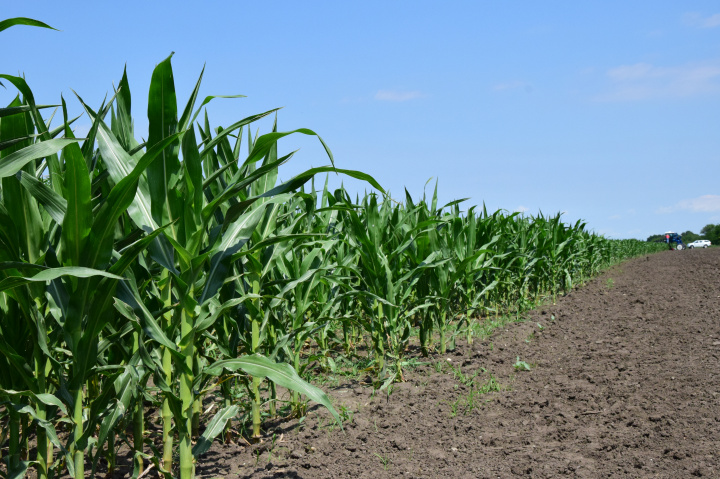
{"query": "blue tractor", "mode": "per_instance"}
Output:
(674, 239)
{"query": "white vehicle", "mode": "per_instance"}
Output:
(699, 244)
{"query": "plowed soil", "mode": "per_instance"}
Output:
(624, 381)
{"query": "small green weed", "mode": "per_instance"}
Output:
(463, 378)
(471, 400)
(346, 414)
(385, 461)
(521, 365)
(439, 366)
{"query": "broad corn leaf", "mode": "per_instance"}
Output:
(281, 374)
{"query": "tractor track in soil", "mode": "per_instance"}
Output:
(623, 383)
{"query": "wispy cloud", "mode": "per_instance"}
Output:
(397, 95)
(643, 81)
(701, 204)
(697, 20)
(521, 209)
(513, 85)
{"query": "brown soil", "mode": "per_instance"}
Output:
(623, 383)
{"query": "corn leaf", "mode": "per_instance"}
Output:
(10, 22)
(281, 374)
(14, 162)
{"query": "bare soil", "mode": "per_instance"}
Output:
(623, 382)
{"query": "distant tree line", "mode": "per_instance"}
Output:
(710, 232)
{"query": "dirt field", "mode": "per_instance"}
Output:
(624, 382)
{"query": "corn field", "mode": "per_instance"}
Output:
(158, 295)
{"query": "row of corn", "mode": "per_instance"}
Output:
(158, 295)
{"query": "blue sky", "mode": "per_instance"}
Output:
(604, 110)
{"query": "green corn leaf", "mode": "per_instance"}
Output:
(213, 177)
(20, 265)
(246, 121)
(109, 422)
(23, 87)
(14, 162)
(281, 374)
(213, 429)
(149, 323)
(185, 121)
(293, 184)
(78, 217)
(163, 174)
(265, 143)
(184, 256)
(274, 240)
(121, 165)
(10, 22)
(12, 142)
(206, 319)
(124, 130)
(208, 99)
(54, 204)
(44, 398)
(17, 471)
(193, 175)
(120, 198)
(237, 234)
(267, 181)
(15, 110)
(47, 425)
(236, 187)
(54, 273)
(102, 233)
(124, 387)
(129, 253)
(25, 234)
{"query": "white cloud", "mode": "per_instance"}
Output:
(698, 21)
(513, 85)
(701, 204)
(397, 95)
(615, 217)
(521, 209)
(643, 81)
